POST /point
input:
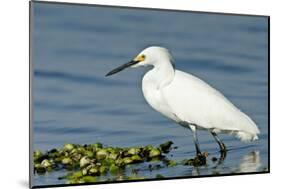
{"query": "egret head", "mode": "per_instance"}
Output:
(150, 56)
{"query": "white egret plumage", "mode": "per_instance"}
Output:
(188, 100)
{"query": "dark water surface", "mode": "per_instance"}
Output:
(75, 46)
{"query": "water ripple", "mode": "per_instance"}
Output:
(87, 53)
(64, 130)
(82, 27)
(217, 65)
(65, 107)
(81, 79)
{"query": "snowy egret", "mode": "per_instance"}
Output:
(188, 100)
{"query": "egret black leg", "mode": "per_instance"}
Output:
(222, 147)
(218, 140)
(195, 139)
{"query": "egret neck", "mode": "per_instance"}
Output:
(154, 81)
(162, 73)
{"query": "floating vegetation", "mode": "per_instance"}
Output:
(166, 147)
(199, 160)
(87, 162)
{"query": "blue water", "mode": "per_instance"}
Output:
(73, 102)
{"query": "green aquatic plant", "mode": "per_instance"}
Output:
(166, 147)
(199, 160)
(154, 152)
(85, 163)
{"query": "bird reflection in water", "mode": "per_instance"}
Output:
(250, 162)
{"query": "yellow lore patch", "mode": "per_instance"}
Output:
(140, 58)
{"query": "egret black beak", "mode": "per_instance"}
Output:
(120, 68)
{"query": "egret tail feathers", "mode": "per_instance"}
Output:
(245, 136)
(250, 134)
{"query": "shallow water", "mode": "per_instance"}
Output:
(75, 46)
